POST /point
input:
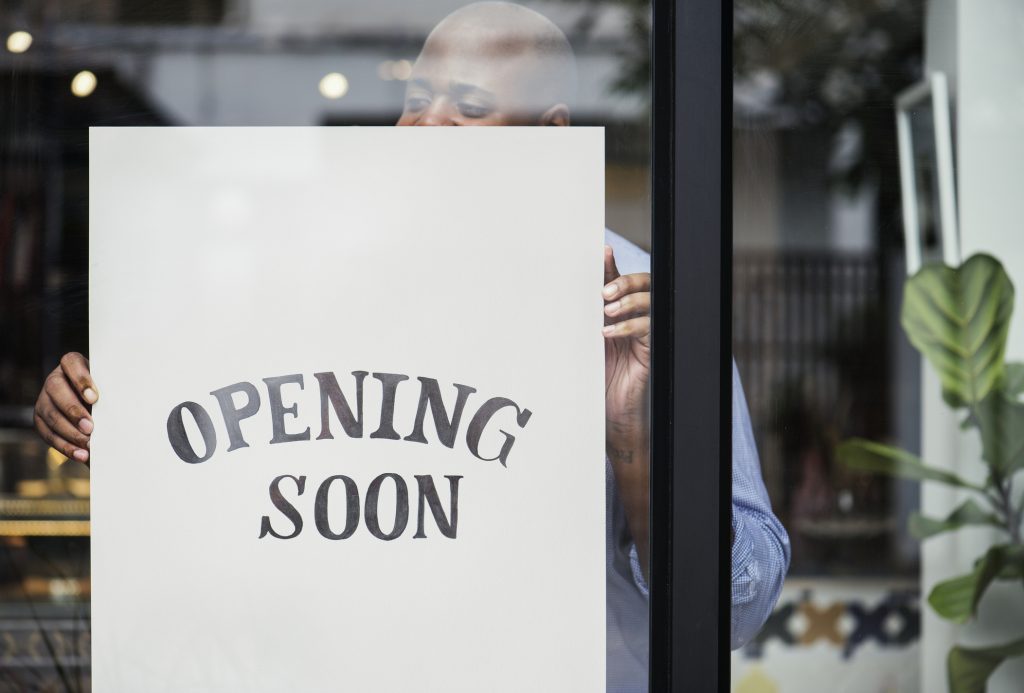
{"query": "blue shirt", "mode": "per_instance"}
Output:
(760, 548)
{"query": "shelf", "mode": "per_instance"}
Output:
(44, 528)
(42, 517)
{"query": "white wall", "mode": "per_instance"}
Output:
(990, 150)
(980, 46)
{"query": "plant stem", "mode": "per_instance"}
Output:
(1010, 514)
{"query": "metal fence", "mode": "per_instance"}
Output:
(811, 338)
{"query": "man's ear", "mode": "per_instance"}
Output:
(556, 115)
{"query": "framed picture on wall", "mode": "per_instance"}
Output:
(927, 173)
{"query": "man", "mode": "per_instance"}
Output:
(495, 63)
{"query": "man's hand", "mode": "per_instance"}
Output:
(62, 414)
(627, 375)
(627, 350)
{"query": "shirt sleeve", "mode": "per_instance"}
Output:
(638, 574)
(760, 547)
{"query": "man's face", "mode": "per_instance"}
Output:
(465, 78)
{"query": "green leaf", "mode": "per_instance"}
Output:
(1001, 423)
(1013, 382)
(957, 599)
(867, 456)
(968, 513)
(951, 599)
(1013, 566)
(969, 668)
(958, 319)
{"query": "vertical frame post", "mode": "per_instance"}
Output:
(691, 462)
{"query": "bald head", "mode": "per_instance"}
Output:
(492, 63)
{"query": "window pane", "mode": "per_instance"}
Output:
(128, 63)
(859, 157)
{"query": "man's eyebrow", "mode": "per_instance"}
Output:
(462, 89)
(423, 84)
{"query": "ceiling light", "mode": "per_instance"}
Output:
(334, 85)
(19, 41)
(83, 84)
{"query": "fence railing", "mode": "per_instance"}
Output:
(811, 340)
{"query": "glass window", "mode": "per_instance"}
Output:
(124, 63)
(860, 157)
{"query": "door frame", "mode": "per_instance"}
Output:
(691, 393)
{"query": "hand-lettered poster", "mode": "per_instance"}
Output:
(350, 429)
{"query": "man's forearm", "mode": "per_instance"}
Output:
(630, 458)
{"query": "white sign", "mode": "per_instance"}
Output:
(350, 434)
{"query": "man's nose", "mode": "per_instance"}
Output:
(440, 112)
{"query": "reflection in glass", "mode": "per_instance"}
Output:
(254, 62)
(825, 235)
(818, 269)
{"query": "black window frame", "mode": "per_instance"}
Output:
(691, 409)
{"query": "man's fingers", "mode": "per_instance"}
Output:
(66, 401)
(64, 429)
(70, 430)
(634, 327)
(55, 441)
(62, 411)
(610, 270)
(629, 305)
(76, 370)
(627, 284)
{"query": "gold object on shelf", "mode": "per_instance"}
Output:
(53, 504)
(33, 488)
(59, 588)
(44, 528)
(45, 507)
(40, 517)
(79, 488)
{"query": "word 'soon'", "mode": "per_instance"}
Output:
(447, 522)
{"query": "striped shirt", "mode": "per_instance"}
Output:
(760, 549)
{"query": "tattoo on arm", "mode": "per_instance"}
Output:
(625, 456)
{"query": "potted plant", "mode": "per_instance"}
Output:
(958, 318)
